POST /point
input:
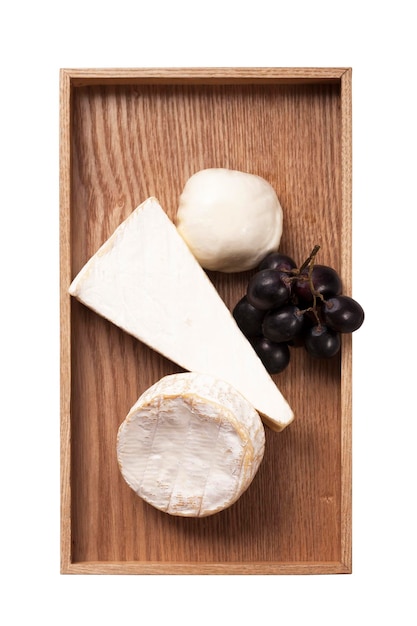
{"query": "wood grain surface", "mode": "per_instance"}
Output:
(130, 134)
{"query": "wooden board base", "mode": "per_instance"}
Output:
(130, 134)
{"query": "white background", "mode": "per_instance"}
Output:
(376, 40)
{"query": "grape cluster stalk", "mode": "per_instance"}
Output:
(286, 306)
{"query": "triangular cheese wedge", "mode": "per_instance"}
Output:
(145, 280)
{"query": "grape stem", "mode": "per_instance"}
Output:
(309, 262)
(296, 275)
(313, 309)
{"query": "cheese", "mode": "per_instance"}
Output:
(191, 445)
(230, 219)
(145, 280)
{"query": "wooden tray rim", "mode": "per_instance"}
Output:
(105, 76)
(70, 78)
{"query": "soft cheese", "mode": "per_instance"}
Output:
(191, 445)
(145, 280)
(230, 219)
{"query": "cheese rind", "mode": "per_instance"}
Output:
(191, 445)
(145, 280)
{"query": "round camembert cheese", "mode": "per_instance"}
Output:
(191, 445)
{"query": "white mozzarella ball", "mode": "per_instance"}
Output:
(229, 219)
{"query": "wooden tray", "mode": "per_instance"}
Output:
(126, 135)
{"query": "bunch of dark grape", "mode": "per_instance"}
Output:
(286, 306)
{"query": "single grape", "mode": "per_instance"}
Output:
(274, 356)
(248, 318)
(343, 314)
(325, 279)
(283, 324)
(277, 261)
(266, 289)
(322, 342)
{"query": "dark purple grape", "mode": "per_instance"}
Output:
(343, 314)
(248, 318)
(325, 279)
(277, 261)
(322, 342)
(274, 356)
(267, 289)
(283, 324)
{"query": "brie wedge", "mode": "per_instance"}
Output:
(191, 445)
(145, 280)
